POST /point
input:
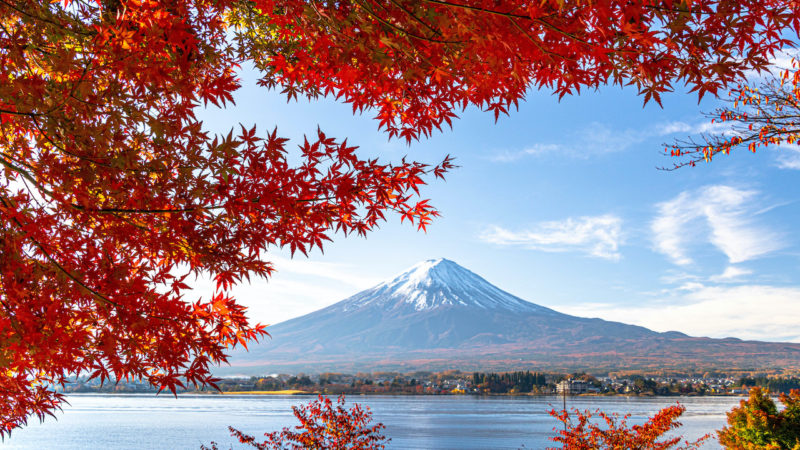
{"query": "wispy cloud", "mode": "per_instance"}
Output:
(756, 312)
(535, 149)
(598, 236)
(595, 139)
(721, 215)
(333, 271)
(598, 139)
(701, 127)
(671, 276)
(731, 273)
(788, 157)
(669, 228)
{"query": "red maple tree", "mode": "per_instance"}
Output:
(112, 193)
(322, 426)
(613, 431)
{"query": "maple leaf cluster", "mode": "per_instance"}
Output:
(757, 115)
(416, 62)
(113, 194)
(322, 426)
(613, 431)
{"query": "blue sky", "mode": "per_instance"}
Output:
(562, 204)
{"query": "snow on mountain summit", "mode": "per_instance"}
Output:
(437, 283)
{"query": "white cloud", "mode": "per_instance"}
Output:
(673, 127)
(757, 312)
(535, 149)
(597, 139)
(789, 157)
(731, 273)
(728, 214)
(668, 228)
(703, 127)
(598, 236)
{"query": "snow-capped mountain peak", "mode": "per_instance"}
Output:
(440, 283)
(427, 273)
(438, 315)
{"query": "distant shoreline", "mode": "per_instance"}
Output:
(299, 393)
(507, 384)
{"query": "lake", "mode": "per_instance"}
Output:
(413, 422)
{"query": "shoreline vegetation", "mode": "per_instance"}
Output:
(454, 382)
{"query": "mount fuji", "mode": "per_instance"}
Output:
(438, 315)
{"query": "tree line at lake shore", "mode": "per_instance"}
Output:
(480, 383)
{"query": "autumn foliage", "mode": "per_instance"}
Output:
(417, 62)
(113, 196)
(757, 424)
(757, 115)
(322, 426)
(581, 432)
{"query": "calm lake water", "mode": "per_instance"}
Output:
(413, 422)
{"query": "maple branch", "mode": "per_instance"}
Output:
(63, 270)
(144, 211)
(402, 30)
(61, 148)
(25, 174)
(72, 90)
(180, 210)
(680, 10)
(46, 20)
(80, 283)
(401, 49)
(479, 9)
(131, 223)
(8, 33)
(16, 160)
(91, 160)
(537, 44)
(32, 193)
(52, 260)
(417, 19)
(11, 318)
(325, 17)
(17, 113)
(540, 19)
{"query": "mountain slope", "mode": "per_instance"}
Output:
(439, 315)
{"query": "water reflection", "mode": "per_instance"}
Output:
(413, 422)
